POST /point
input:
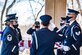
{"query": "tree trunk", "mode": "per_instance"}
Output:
(32, 9)
(2, 13)
(10, 6)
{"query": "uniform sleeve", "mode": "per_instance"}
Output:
(7, 37)
(33, 46)
(30, 31)
(77, 35)
(59, 35)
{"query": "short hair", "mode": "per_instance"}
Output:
(45, 24)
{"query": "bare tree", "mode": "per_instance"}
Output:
(2, 13)
(36, 15)
(10, 6)
(39, 12)
(31, 9)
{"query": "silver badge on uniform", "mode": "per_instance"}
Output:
(77, 33)
(9, 37)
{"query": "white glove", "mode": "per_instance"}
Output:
(21, 49)
(66, 48)
(52, 24)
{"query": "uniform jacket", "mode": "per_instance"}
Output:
(10, 42)
(73, 39)
(30, 31)
(45, 41)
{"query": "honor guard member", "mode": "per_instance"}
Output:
(61, 32)
(7, 16)
(9, 38)
(73, 35)
(36, 26)
(15, 25)
(43, 40)
(64, 25)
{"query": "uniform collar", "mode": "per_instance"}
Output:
(71, 22)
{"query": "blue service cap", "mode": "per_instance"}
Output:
(63, 18)
(45, 18)
(73, 11)
(9, 15)
(10, 19)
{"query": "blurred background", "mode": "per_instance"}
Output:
(28, 11)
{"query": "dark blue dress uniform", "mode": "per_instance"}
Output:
(73, 35)
(73, 38)
(18, 31)
(19, 34)
(43, 40)
(62, 32)
(10, 41)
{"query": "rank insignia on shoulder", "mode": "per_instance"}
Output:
(9, 37)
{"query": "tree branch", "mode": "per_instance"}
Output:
(10, 6)
(39, 12)
(31, 8)
(2, 13)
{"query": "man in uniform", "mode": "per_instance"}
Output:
(7, 16)
(61, 32)
(15, 25)
(73, 36)
(64, 24)
(43, 40)
(36, 26)
(9, 38)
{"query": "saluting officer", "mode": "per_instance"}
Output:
(43, 40)
(10, 38)
(73, 35)
(36, 26)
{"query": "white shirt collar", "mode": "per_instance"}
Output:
(71, 22)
